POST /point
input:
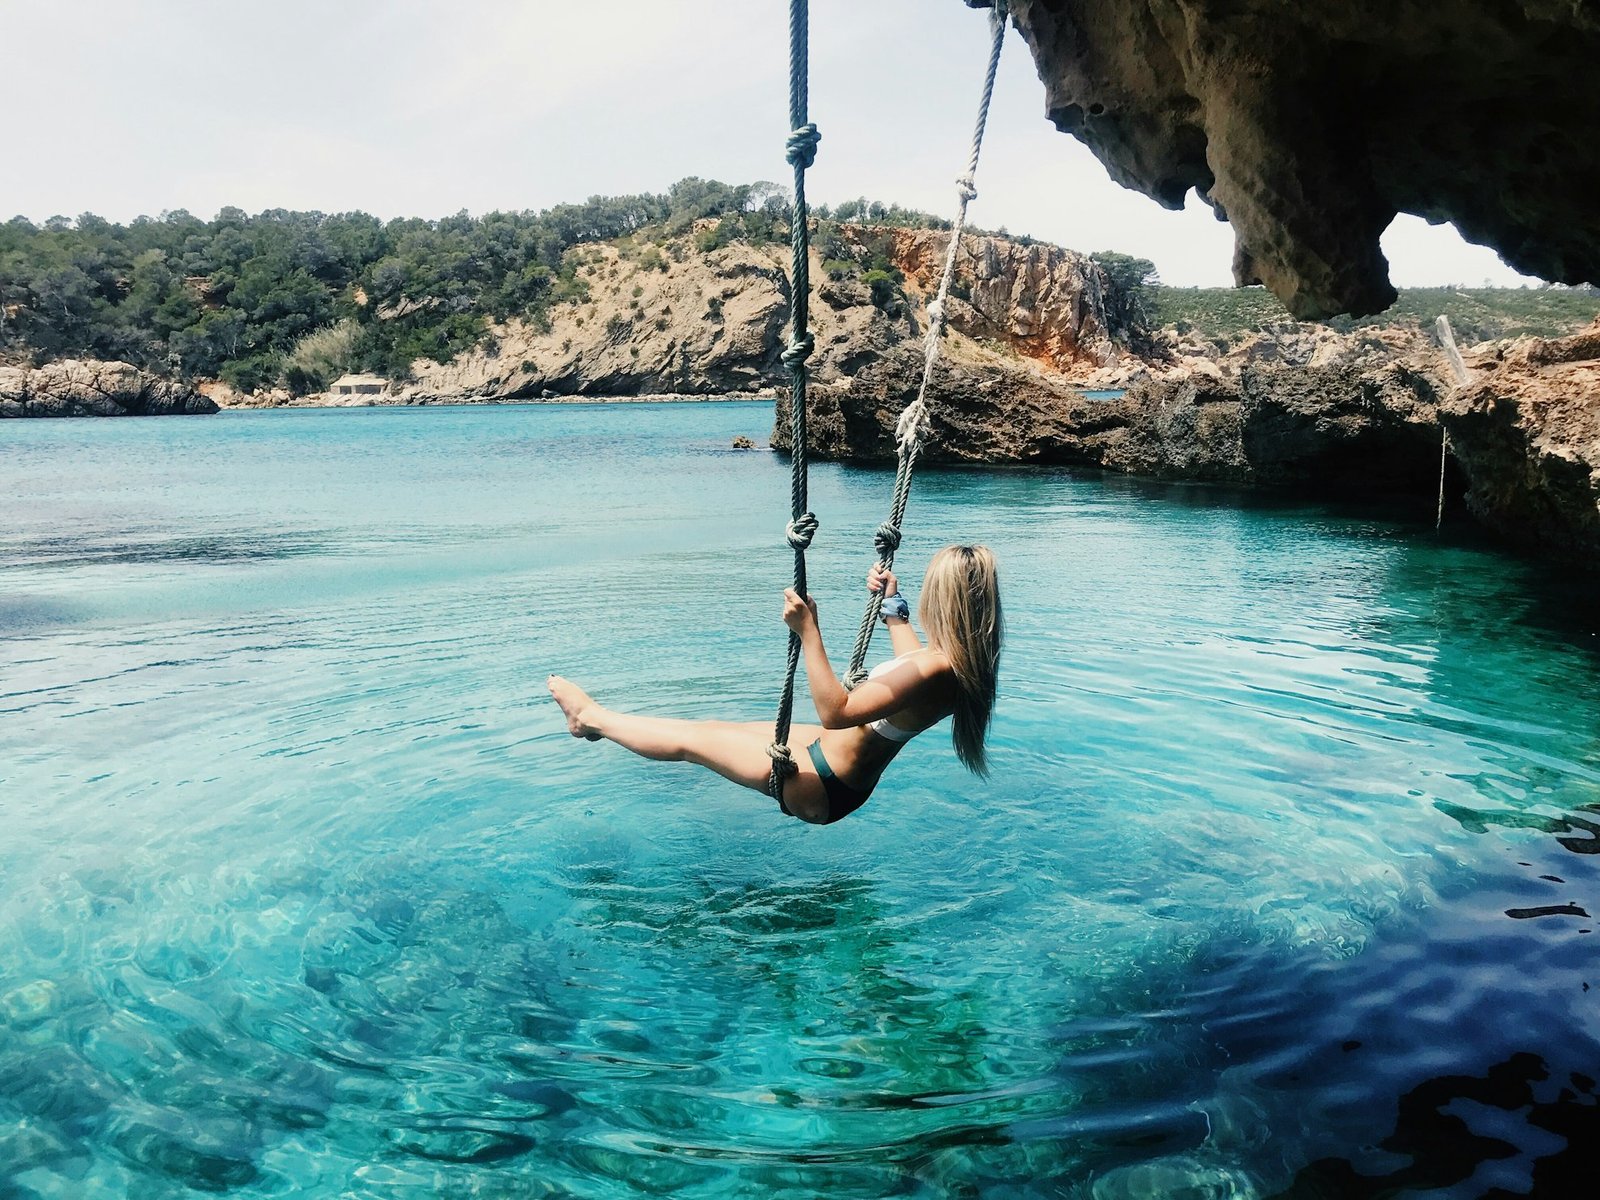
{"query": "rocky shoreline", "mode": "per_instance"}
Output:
(74, 388)
(404, 400)
(1310, 409)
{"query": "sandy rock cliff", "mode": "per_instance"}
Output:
(1037, 301)
(1308, 126)
(714, 323)
(708, 324)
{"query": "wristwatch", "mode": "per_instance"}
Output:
(894, 608)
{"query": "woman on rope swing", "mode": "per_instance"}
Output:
(954, 675)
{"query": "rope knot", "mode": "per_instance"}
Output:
(783, 765)
(801, 146)
(794, 357)
(966, 190)
(886, 541)
(855, 679)
(912, 425)
(801, 530)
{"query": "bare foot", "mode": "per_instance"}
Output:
(574, 702)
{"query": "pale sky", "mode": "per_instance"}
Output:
(424, 108)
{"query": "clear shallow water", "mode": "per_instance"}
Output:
(1279, 886)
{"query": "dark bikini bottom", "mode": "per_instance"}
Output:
(842, 798)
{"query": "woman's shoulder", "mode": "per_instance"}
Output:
(923, 665)
(930, 661)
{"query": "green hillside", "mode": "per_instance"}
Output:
(1477, 314)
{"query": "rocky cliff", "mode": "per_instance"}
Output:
(71, 388)
(1309, 126)
(1301, 407)
(1526, 431)
(710, 323)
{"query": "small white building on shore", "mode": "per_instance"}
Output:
(359, 385)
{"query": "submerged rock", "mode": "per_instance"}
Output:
(76, 388)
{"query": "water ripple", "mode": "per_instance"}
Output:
(1287, 847)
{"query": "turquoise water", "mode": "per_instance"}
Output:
(1279, 886)
(1102, 393)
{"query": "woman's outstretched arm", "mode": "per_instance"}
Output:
(836, 707)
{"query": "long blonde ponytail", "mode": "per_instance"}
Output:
(960, 610)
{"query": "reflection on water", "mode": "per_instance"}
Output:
(1456, 1129)
(1280, 885)
(95, 550)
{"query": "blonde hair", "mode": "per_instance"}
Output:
(960, 610)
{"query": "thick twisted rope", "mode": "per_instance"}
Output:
(801, 151)
(912, 427)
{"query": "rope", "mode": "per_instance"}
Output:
(1444, 448)
(913, 426)
(1458, 367)
(801, 151)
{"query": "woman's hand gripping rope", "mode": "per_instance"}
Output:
(799, 615)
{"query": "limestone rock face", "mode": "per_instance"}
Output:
(1309, 407)
(987, 409)
(1348, 425)
(1308, 126)
(1040, 301)
(74, 388)
(1304, 408)
(1526, 431)
(707, 324)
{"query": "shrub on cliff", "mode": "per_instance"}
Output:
(886, 290)
(1129, 295)
(321, 356)
(712, 237)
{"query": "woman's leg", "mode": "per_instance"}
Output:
(734, 750)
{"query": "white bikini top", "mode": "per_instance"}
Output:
(883, 727)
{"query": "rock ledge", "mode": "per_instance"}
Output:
(87, 388)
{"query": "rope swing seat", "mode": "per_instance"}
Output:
(912, 428)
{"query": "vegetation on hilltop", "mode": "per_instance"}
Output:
(1476, 314)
